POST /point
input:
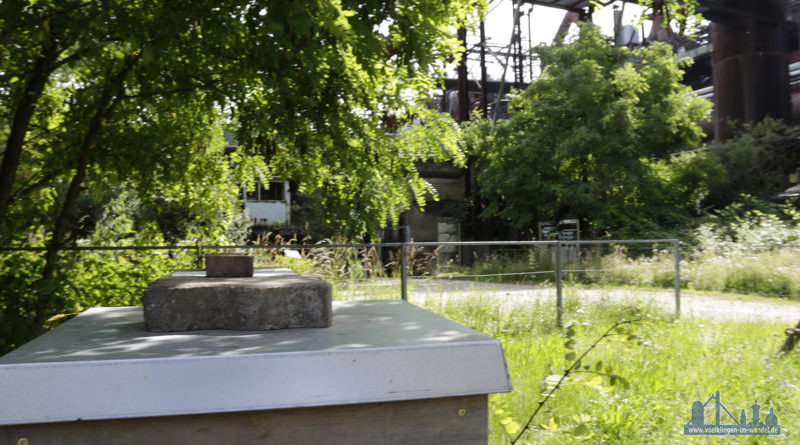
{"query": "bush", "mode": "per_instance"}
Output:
(758, 162)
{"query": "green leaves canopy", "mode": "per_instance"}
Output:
(583, 138)
(313, 89)
(102, 100)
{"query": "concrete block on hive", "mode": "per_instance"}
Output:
(257, 303)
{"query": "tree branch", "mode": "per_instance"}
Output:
(608, 333)
(22, 119)
(109, 99)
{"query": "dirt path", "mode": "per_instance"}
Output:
(719, 307)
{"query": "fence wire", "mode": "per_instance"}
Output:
(479, 261)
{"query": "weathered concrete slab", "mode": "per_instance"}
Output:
(181, 303)
(229, 265)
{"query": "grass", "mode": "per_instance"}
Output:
(774, 273)
(760, 263)
(769, 273)
(669, 365)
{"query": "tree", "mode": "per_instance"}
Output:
(684, 12)
(758, 162)
(309, 84)
(96, 94)
(585, 137)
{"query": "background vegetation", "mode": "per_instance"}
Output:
(593, 137)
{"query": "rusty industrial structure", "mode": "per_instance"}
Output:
(753, 44)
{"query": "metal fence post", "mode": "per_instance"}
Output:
(676, 250)
(559, 287)
(200, 256)
(403, 273)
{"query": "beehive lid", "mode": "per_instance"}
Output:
(103, 364)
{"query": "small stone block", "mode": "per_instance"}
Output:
(229, 265)
(251, 304)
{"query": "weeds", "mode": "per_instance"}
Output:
(667, 366)
(578, 366)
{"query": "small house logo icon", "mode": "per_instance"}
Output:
(698, 425)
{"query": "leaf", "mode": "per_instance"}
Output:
(622, 381)
(580, 429)
(596, 381)
(511, 428)
(589, 94)
(569, 356)
(57, 317)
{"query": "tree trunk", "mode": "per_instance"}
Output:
(109, 99)
(463, 82)
(45, 63)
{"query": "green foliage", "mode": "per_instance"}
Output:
(574, 368)
(107, 101)
(687, 179)
(746, 227)
(684, 12)
(758, 162)
(748, 247)
(309, 215)
(593, 137)
(313, 88)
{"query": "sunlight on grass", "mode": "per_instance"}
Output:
(671, 364)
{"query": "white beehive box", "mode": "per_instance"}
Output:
(104, 366)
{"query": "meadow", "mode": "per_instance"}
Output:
(640, 384)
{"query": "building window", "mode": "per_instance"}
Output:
(275, 192)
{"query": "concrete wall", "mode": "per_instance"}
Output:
(448, 188)
(267, 213)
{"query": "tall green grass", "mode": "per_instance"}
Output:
(669, 365)
(771, 272)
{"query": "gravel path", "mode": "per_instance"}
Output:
(708, 306)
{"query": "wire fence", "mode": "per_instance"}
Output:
(549, 264)
(559, 260)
